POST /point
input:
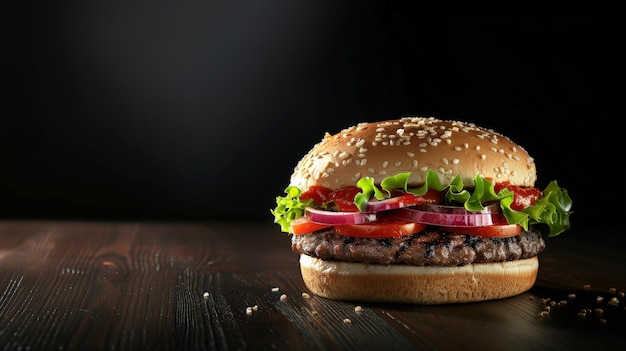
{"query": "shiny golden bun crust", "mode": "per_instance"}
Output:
(363, 282)
(414, 144)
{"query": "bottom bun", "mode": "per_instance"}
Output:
(351, 281)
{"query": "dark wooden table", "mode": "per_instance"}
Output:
(236, 286)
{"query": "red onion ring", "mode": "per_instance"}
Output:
(337, 218)
(458, 219)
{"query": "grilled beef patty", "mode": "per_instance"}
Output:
(429, 248)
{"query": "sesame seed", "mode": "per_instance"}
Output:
(445, 161)
(283, 297)
(483, 156)
(249, 311)
(422, 150)
(205, 295)
(305, 295)
(385, 164)
(410, 154)
(347, 321)
(358, 309)
(275, 289)
(455, 161)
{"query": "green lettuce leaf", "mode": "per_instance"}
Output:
(289, 208)
(552, 210)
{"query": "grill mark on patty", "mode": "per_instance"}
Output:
(427, 248)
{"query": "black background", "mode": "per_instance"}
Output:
(164, 110)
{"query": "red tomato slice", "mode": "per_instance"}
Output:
(383, 228)
(319, 194)
(344, 198)
(303, 225)
(522, 196)
(491, 231)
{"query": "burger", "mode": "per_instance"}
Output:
(419, 210)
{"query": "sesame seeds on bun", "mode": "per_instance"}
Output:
(414, 144)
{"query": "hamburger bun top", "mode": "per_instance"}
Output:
(414, 144)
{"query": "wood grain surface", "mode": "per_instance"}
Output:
(237, 286)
